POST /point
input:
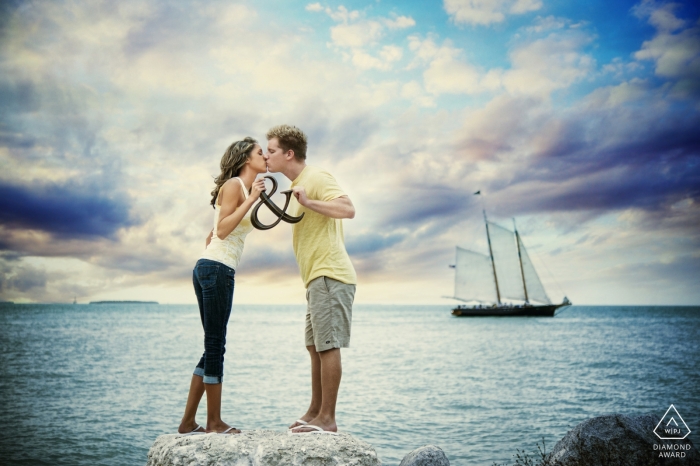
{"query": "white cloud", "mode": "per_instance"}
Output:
(545, 65)
(366, 61)
(547, 24)
(524, 6)
(362, 37)
(485, 12)
(401, 22)
(316, 7)
(661, 15)
(448, 75)
(538, 66)
(391, 53)
(675, 51)
(414, 92)
(342, 14)
(152, 96)
(447, 72)
(356, 34)
(387, 55)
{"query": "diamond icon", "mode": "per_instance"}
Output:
(672, 426)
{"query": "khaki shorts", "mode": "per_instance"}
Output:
(329, 313)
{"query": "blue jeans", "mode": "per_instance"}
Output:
(213, 284)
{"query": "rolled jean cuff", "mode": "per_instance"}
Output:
(198, 371)
(210, 379)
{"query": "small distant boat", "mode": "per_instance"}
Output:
(506, 273)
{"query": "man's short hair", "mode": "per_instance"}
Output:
(290, 138)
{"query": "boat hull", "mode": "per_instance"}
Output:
(548, 310)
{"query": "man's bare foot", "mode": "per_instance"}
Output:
(222, 428)
(190, 428)
(327, 424)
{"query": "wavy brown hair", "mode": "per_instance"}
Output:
(231, 163)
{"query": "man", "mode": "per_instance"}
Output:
(325, 268)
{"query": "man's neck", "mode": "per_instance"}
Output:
(293, 170)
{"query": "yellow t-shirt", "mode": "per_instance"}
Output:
(319, 245)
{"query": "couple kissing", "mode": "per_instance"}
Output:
(324, 264)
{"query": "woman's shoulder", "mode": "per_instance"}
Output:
(230, 189)
(234, 183)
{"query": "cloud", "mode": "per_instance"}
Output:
(117, 114)
(486, 12)
(316, 7)
(356, 34)
(342, 14)
(362, 37)
(400, 22)
(675, 49)
(63, 210)
(539, 65)
(447, 71)
(547, 64)
(660, 15)
(20, 280)
(368, 243)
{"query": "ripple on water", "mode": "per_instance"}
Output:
(92, 385)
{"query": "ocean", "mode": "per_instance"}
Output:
(96, 384)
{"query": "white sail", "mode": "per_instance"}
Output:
(505, 257)
(474, 277)
(535, 290)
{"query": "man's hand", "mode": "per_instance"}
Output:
(340, 207)
(300, 194)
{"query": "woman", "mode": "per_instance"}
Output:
(235, 193)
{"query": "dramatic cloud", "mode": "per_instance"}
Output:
(61, 211)
(675, 49)
(115, 115)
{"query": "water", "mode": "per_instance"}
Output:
(89, 385)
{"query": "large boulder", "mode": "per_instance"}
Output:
(427, 455)
(617, 439)
(261, 448)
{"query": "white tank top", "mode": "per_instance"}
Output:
(228, 250)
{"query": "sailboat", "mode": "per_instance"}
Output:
(506, 273)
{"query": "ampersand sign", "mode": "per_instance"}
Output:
(280, 213)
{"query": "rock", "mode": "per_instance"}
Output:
(620, 440)
(428, 455)
(261, 448)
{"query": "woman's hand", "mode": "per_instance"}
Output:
(256, 188)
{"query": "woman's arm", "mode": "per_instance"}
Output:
(208, 240)
(231, 212)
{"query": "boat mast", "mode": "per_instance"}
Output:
(520, 258)
(493, 264)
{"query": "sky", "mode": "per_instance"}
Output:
(580, 120)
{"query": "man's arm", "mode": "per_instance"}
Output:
(340, 207)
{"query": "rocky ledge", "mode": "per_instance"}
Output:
(261, 448)
(620, 440)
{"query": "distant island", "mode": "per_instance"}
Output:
(123, 302)
(6, 302)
